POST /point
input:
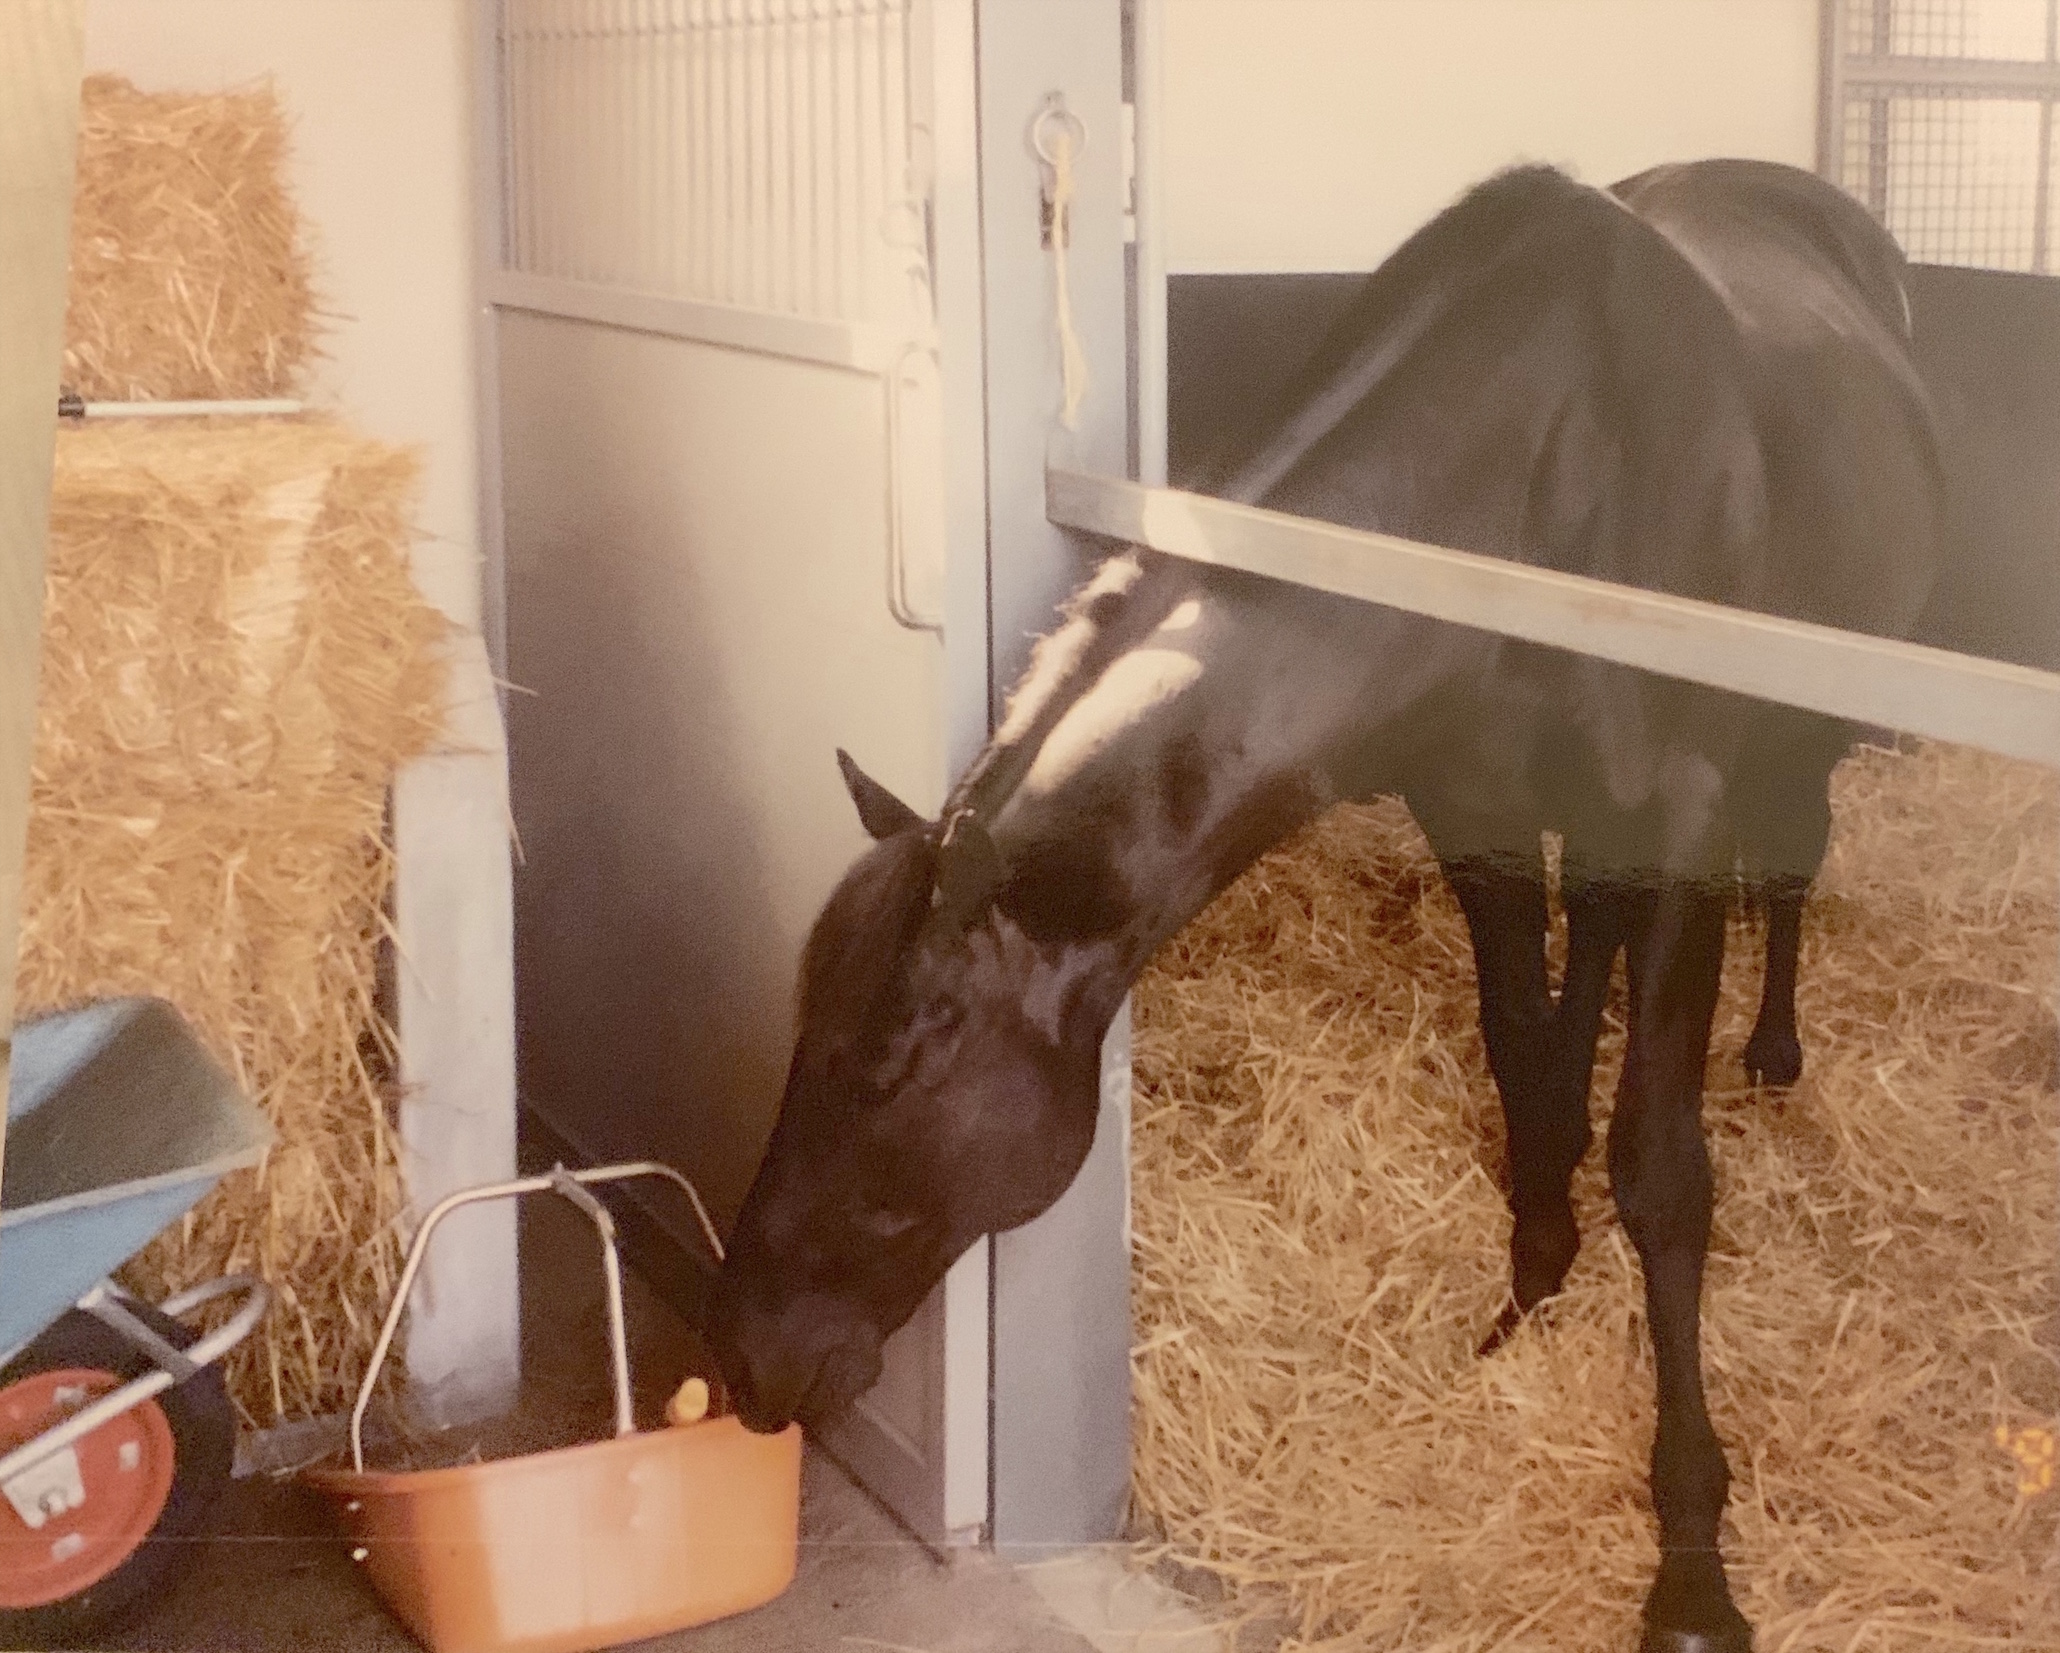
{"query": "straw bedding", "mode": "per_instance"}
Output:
(1321, 1239)
(190, 272)
(235, 662)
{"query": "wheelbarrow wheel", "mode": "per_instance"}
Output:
(151, 1477)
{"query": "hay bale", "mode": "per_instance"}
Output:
(189, 265)
(235, 662)
(1321, 1238)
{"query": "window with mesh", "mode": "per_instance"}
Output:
(1946, 128)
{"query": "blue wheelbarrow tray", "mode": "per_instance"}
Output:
(118, 1122)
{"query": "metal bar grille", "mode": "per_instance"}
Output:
(753, 154)
(1945, 124)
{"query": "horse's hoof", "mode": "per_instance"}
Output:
(1498, 1334)
(1774, 1061)
(1730, 1635)
(1735, 1639)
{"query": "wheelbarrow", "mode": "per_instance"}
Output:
(116, 1433)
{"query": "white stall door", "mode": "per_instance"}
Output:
(721, 464)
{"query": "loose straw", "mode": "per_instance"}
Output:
(1321, 1238)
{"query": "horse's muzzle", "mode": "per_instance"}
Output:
(806, 1363)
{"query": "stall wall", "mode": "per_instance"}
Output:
(1316, 134)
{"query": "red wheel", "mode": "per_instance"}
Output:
(145, 1480)
(125, 1470)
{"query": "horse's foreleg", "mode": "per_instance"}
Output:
(1504, 903)
(1660, 1175)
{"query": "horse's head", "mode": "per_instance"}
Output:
(943, 1086)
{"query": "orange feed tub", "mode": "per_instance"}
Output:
(587, 1546)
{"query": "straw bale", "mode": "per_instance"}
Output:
(235, 662)
(190, 268)
(1321, 1239)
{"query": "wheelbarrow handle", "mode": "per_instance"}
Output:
(569, 1185)
(203, 1352)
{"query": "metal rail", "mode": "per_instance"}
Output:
(257, 1297)
(1935, 693)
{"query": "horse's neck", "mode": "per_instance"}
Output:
(1146, 774)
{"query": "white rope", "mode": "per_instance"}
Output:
(1073, 374)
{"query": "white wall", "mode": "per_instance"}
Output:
(1317, 134)
(379, 94)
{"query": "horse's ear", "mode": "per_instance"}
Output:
(879, 811)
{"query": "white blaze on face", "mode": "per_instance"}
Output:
(1122, 697)
(1057, 657)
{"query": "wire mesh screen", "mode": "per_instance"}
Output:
(1998, 30)
(757, 153)
(1946, 125)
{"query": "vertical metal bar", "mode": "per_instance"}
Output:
(594, 181)
(617, 117)
(603, 1220)
(566, 142)
(763, 128)
(841, 126)
(554, 108)
(509, 163)
(666, 269)
(744, 128)
(732, 165)
(722, 153)
(575, 147)
(891, 175)
(704, 155)
(2041, 199)
(642, 69)
(686, 150)
(541, 98)
(796, 251)
(2042, 203)
(771, 220)
(1830, 94)
(625, 124)
(1877, 118)
(815, 167)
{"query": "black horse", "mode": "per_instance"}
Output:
(1697, 382)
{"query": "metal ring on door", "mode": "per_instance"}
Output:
(1051, 118)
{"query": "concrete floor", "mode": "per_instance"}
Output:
(274, 1576)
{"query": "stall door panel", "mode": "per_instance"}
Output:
(696, 621)
(707, 251)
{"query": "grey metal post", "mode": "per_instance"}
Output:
(1061, 1285)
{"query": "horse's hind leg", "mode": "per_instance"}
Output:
(1547, 1118)
(1782, 799)
(1773, 1055)
(1660, 1174)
